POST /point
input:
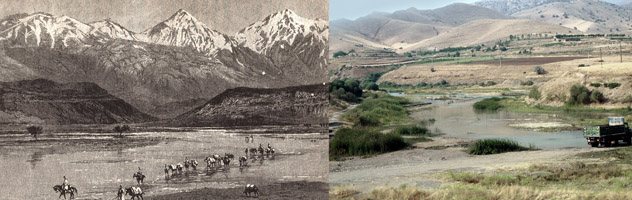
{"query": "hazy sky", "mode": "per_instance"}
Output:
(227, 16)
(353, 9)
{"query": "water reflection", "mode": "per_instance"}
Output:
(35, 158)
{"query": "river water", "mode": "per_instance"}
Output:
(459, 119)
(28, 173)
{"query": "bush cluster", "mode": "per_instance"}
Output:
(495, 146)
(360, 141)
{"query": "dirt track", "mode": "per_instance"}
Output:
(527, 61)
(419, 167)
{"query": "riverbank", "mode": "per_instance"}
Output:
(282, 190)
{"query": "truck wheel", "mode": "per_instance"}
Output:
(606, 143)
(594, 144)
(628, 141)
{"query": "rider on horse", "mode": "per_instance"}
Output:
(139, 173)
(65, 186)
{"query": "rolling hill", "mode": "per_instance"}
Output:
(296, 105)
(45, 101)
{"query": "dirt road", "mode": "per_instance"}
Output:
(419, 167)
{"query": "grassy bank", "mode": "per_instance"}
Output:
(378, 111)
(363, 141)
(610, 178)
(495, 146)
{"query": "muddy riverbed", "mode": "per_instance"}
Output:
(98, 163)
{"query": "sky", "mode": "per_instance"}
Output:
(226, 16)
(353, 9)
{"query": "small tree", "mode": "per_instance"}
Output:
(534, 93)
(539, 70)
(34, 130)
(121, 129)
(596, 96)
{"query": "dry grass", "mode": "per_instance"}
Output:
(473, 192)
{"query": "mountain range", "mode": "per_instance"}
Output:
(178, 60)
(461, 24)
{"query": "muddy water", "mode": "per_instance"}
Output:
(28, 173)
(460, 120)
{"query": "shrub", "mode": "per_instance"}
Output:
(539, 70)
(579, 95)
(411, 130)
(490, 83)
(495, 146)
(432, 69)
(612, 85)
(346, 89)
(595, 84)
(357, 142)
(34, 131)
(491, 104)
(526, 83)
(534, 93)
(340, 53)
(422, 84)
(596, 96)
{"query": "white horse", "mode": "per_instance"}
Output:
(135, 192)
(210, 162)
(243, 161)
(251, 188)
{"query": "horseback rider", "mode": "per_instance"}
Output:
(120, 193)
(65, 184)
(139, 173)
(269, 147)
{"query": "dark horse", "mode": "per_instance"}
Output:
(135, 192)
(60, 189)
(139, 177)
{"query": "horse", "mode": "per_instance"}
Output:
(226, 161)
(179, 167)
(270, 150)
(135, 192)
(229, 155)
(193, 163)
(251, 188)
(261, 150)
(253, 151)
(60, 189)
(139, 177)
(210, 162)
(242, 161)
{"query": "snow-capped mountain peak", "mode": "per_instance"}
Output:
(44, 29)
(285, 26)
(183, 29)
(110, 29)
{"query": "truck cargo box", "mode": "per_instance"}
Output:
(603, 130)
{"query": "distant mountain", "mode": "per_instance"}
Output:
(44, 101)
(391, 30)
(584, 15)
(177, 60)
(296, 105)
(513, 6)
(486, 30)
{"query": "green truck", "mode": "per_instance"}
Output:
(609, 134)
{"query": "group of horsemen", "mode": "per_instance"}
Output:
(121, 192)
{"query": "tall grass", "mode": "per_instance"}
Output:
(491, 104)
(363, 141)
(378, 111)
(495, 146)
(412, 130)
